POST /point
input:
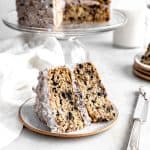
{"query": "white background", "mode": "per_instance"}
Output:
(5, 6)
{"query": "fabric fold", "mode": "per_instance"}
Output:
(21, 58)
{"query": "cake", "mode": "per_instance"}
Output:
(94, 94)
(43, 13)
(71, 99)
(146, 57)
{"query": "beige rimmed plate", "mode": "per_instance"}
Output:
(141, 74)
(137, 61)
(136, 67)
(30, 120)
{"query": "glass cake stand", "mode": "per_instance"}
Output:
(68, 34)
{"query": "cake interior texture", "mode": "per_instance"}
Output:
(146, 57)
(43, 13)
(70, 99)
(94, 93)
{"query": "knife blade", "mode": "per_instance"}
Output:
(141, 108)
(146, 94)
(139, 116)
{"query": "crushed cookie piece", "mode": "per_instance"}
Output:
(70, 116)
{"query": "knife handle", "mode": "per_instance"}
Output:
(133, 143)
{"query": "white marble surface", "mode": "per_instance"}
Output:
(115, 66)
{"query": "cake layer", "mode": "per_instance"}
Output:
(62, 99)
(94, 93)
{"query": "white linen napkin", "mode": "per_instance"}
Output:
(21, 58)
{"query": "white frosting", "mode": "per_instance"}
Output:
(80, 104)
(42, 106)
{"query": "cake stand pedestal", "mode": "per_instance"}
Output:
(68, 35)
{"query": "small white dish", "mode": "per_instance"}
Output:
(30, 120)
(137, 60)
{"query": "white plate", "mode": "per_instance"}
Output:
(30, 120)
(137, 60)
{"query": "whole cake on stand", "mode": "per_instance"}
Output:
(67, 19)
(41, 13)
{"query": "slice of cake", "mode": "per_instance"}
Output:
(94, 94)
(57, 104)
(146, 57)
(43, 13)
(70, 99)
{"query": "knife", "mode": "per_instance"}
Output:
(139, 116)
